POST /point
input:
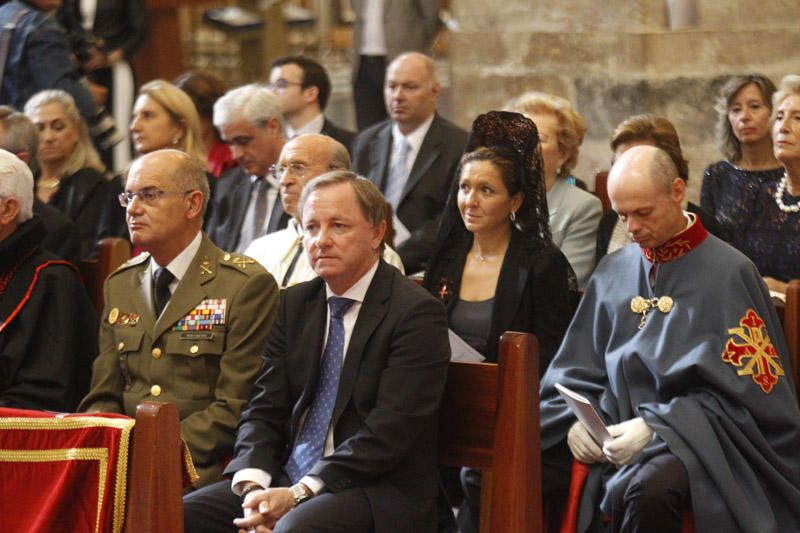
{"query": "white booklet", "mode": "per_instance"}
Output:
(461, 351)
(586, 413)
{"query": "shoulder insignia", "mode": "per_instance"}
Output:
(240, 262)
(754, 352)
(133, 261)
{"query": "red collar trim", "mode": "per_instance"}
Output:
(679, 245)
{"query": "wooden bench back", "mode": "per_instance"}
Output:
(490, 420)
(111, 253)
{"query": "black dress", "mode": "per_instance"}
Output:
(771, 238)
(88, 199)
(729, 193)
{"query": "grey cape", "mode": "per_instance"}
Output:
(701, 375)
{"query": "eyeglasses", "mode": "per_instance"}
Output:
(281, 84)
(278, 172)
(149, 196)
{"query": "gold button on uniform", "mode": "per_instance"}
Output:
(120, 346)
(194, 349)
(226, 257)
(155, 390)
(156, 353)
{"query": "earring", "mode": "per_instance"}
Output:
(513, 216)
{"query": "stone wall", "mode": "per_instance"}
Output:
(616, 58)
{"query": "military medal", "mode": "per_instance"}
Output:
(113, 315)
(642, 306)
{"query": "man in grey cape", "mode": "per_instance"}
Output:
(677, 345)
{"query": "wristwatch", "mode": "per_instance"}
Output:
(301, 493)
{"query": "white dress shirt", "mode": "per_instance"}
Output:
(312, 126)
(247, 223)
(177, 267)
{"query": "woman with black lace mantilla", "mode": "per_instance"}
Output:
(495, 267)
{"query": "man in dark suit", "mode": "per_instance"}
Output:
(340, 439)
(304, 88)
(246, 202)
(381, 32)
(412, 157)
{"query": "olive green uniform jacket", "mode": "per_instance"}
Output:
(205, 370)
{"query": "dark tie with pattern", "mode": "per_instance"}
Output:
(161, 294)
(311, 441)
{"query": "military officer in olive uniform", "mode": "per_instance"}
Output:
(185, 322)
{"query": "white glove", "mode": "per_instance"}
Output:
(583, 446)
(629, 439)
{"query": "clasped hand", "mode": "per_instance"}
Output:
(629, 439)
(263, 509)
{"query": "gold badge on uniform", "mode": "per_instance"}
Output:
(205, 266)
(642, 306)
(113, 315)
(243, 262)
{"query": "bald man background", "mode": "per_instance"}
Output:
(303, 158)
(676, 343)
(412, 157)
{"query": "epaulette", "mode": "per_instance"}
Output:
(134, 261)
(240, 262)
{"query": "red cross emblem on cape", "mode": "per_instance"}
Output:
(754, 352)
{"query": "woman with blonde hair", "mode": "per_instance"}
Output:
(574, 213)
(71, 176)
(165, 117)
(729, 187)
(771, 231)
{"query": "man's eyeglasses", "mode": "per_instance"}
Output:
(281, 84)
(149, 196)
(278, 172)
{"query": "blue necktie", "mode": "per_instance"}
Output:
(311, 441)
(398, 175)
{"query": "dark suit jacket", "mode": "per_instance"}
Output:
(532, 294)
(340, 134)
(610, 218)
(230, 201)
(386, 414)
(428, 183)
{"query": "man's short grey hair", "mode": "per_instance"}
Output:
(189, 173)
(254, 102)
(16, 181)
(19, 132)
(369, 198)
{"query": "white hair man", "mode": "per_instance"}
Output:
(246, 201)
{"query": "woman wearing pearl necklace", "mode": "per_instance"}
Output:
(772, 236)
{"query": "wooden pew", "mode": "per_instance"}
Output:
(601, 189)
(111, 253)
(791, 328)
(155, 475)
(490, 420)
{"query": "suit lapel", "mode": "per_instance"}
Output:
(428, 153)
(312, 332)
(238, 209)
(373, 310)
(190, 290)
(142, 297)
(510, 285)
(381, 167)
